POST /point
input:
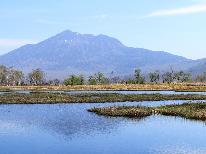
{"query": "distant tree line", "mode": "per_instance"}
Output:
(10, 76)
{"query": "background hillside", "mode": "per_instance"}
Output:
(69, 52)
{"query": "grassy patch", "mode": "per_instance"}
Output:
(195, 111)
(50, 98)
(123, 111)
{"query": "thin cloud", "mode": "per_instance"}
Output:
(179, 11)
(14, 42)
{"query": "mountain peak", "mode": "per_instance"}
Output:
(68, 32)
(70, 38)
(70, 52)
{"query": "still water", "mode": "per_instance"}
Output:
(135, 92)
(70, 129)
(106, 91)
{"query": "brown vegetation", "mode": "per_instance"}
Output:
(173, 86)
(195, 111)
(47, 98)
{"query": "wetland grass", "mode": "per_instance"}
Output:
(123, 111)
(148, 86)
(52, 98)
(194, 111)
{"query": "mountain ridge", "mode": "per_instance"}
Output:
(74, 53)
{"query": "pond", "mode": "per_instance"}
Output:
(70, 129)
(107, 91)
(135, 92)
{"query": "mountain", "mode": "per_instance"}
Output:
(198, 67)
(70, 52)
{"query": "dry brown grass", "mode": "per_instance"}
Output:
(173, 86)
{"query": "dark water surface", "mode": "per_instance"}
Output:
(70, 129)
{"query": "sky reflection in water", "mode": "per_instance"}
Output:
(61, 128)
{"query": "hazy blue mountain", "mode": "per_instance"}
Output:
(198, 67)
(70, 52)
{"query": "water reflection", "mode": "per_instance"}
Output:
(60, 118)
(103, 91)
(62, 128)
(135, 92)
(16, 91)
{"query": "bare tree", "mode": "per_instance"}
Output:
(36, 77)
(154, 76)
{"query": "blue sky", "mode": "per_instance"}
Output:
(176, 26)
